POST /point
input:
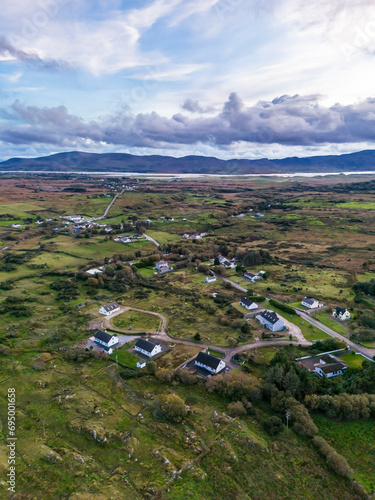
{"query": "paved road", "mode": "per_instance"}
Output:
(151, 239)
(363, 350)
(109, 207)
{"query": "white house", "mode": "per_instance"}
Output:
(251, 276)
(270, 320)
(147, 348)
(109, 309)
(249, 304)
(106, 340)
(310, 303)
(225, 262)
(210, 363)
(141, 364)
(163, 267)
(341, 313)
(210, 279)
(329, 366)
(94, 271)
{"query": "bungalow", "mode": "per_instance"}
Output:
(249, 304)
(109, 309)
(106, 340)
(94, 271)
(341, 313)
(225, 262)
(329, 366)
(310, 303)
(251, 276)
(147, 348)
(210, 363)
(270, 320)
(210, 279)
(163, 267)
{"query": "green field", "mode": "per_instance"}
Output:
(327, 320)
(137, 321)
(355, 441)
(353, 360)
(126, 357)
(163, 237)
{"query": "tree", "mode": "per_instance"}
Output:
(245, 328)
(273, 425)
(216, 262)
(197, 337)
(171, 407)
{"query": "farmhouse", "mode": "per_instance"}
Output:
(210, 363)
(225, 262)
(329, 366)
(106, 340)
(270, 320)
(109, 309)
(163, 267)
(310, 303)
(147, 348)
(210, 279)
(249, 304)
(341, 313)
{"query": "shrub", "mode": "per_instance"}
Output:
(171, 407)
(273, 425)
(334, 460)
(282, 307)
(236, 409)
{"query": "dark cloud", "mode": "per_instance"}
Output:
(293, 121)
(30, 58)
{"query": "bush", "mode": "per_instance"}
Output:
(236, 409)
(171, 407)
(282, 307)
(273, 425)
(334, 460)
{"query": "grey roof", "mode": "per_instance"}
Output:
(333, 367)
(208, 360)
(146, 345)
(270, 316)
(111, 307)
(309, 301)
(247, 301)
(103, 336)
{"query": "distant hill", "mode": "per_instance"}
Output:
(119, 162)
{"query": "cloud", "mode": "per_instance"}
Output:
(30, 58)
(193, 106)
(288, 121)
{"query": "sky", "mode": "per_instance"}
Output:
(224, 78)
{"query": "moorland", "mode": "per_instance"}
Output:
(93, 425)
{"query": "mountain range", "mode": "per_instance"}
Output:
(76, 161)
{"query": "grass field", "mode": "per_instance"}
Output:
(353, 360)
(137, 320)
(126, 357)
(355, 441)
(163, 237)
(327, 320)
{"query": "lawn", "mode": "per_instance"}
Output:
(126, 357)
(353, 360)
(137, 320)
(218, 354)
(325, 318)
(310, 332)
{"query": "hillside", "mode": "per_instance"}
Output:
(119, 162)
